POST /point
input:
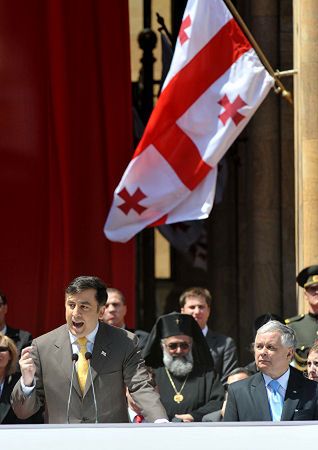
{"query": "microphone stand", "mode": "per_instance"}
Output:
(88, 356)
(74, 359)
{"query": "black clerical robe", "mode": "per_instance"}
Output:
(202, 393)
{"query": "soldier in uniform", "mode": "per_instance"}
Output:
(306, 325)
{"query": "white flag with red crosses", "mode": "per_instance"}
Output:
(214, 86)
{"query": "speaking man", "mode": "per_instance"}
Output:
(278, 392)
(88, 396)
(183, 368)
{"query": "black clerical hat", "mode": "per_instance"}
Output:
(308, 276)
(176, 324)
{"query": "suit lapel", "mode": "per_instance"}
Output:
(260, 399)
(62, 351)
(101, 354)
(292, 397)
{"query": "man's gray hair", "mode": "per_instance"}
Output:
(288, 336)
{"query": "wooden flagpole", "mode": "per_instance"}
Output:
(280, 88)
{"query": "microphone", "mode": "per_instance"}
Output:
(88, 356)
(74, 359)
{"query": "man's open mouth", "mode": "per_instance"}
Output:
(77, 324)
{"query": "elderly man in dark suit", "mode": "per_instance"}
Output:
(196, 301)
(278, 392)
(116, 363)
(21, 338)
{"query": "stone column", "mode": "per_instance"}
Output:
(263, 169)
(306, 134)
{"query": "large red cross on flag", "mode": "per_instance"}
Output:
(215, 84)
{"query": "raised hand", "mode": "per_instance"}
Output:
(27, 366)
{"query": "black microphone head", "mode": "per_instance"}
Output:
(88, 355)
(74, 357)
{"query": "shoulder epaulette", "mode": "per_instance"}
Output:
(294, 319)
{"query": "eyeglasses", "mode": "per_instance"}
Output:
(4, 349)
(175, 345)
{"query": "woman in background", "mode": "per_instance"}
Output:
(8, 378)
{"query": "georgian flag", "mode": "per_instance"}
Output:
(215, 84)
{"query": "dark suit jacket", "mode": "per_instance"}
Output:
(247, 399)
(141, 335)
(214, 416)
(223, 350)
(7, 415)
(20, 337)
(116, 363)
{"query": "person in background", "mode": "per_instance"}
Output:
(240, 373)
(115, 361)
(8, 377)
(196, 301)
(180, 359)
(21, 338)
(115, 308)
(115, 312)
(278, 392)
(312, 363)
(306, 325)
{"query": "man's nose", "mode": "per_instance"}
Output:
(179, 350)
(76, 310)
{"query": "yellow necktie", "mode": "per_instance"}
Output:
(82, 364)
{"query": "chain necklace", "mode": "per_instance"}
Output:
(178, 397)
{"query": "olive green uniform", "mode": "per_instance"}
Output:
(306, 329)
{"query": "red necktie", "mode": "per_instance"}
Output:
(138, 418)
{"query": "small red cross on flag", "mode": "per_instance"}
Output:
(131, 201)
(215, 84)
(231, 109)
(183, 36)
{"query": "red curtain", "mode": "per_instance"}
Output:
(65, 111)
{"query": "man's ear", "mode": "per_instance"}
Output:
(101, 311)
(290, 353)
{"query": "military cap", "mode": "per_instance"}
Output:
(300, 357)
(308, 276)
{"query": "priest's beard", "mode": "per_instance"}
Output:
(179, 366)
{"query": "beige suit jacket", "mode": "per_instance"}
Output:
(116, 363)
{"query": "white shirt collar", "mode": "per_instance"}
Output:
(90, 337)
(205, 330)
(4, 330)
(283, 379)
